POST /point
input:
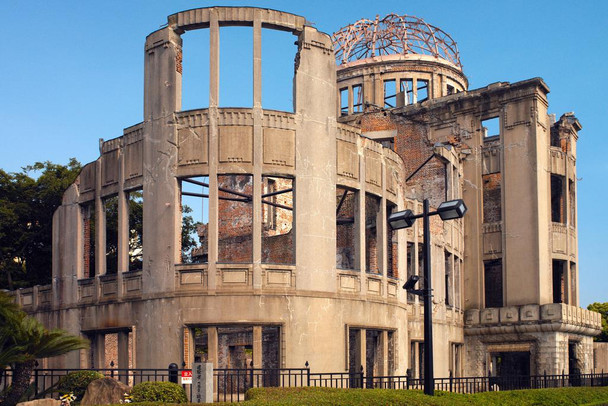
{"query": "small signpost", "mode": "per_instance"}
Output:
(187, 377)
(202, 382)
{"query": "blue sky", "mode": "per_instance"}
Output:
(72, 72)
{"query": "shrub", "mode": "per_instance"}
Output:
(158, 392)
(77, 382)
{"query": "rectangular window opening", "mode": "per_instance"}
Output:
(110, 205)
(492, 197)
(422, 90)
(411, 268)
(450, 90)
(195, 69)
(278, 58)
(559, 281)
(372, 212)
(448, 277)
(392, 247)
(346, 203)
(277, 221)
(490, 127)
(390, 96)
(195, 219)
(357, 99)
(236, 67)
(493, 283)
(235, 218)
(407, 91)
(88, 214)
(344, 102)
(136, 240)
(558, 201)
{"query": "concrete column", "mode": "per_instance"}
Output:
(99, 350)
(214, 79)
(360, 246)
(123, 219)
(212, 346)
(257, 346)
(315, 92)
(362, 351)
(383, 354)
(257, 150)
(123, 352)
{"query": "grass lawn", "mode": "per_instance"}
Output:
(329, 396)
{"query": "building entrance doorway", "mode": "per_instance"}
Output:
(510, 369)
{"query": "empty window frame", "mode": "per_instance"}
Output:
(493, 283)
(416, 369)
(392, 247)
(448, 279)
(236, 67)
(194, 207)
(110, 206)
(490, 127)
(235, 218)
(372, 249)
(88, 239)
(390, 96)
(344, 101)
(457, 282)
(450, 90)
(572, 202)
(195, 69)
(136, 241)
(406, 91)
(411, 267)
(346, 207)
(422, 90)
(357, 99)
(456, 350)
(278, 55)
(558, 200)
(560, 286)
(492, 197)
(277, 221)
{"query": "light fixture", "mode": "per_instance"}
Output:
(453, 209)
(411, 282)
(401, 219)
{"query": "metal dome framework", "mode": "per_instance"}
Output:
(393, 35)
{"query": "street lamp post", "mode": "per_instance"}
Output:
(452, 209)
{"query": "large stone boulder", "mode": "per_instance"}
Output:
(104, 391)
(41, 402)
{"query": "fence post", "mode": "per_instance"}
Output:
(563, 378)
(172, 369)
(307, 365)
(451, 379)
(36, 382)
(408, 376)
(250, 375)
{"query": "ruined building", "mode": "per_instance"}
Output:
(240, 235)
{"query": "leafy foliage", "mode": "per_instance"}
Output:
(27, 205)
(23, 340)
(601, 308)
(159, 392)
(77, 382)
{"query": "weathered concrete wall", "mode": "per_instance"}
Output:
(600, 357)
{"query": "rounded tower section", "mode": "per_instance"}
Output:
(392, 62)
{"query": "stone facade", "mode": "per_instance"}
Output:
(293, 249)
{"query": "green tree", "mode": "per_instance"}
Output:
(27, 205)
(23, 340)
(601, 308)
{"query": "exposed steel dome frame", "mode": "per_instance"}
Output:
(393, 35)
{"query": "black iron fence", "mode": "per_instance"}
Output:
(230, 385)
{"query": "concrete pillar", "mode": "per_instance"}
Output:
(257, 346)
(99, 350)
(123, 353)
(383, 354)
(315, 92)
(123, 221)
(212, 346)
(257, 151)
(214, 86)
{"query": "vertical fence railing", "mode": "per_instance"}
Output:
(230, 385)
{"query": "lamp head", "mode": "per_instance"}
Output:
(453, 209)
(401, 219)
